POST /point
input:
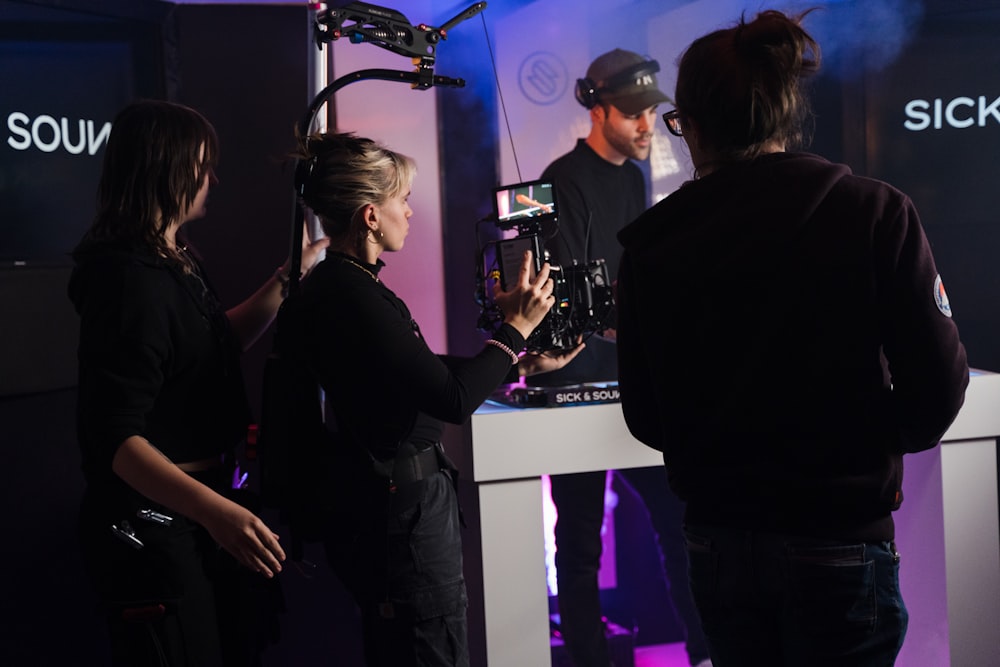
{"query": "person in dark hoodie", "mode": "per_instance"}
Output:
(162, 406)
(807, 345)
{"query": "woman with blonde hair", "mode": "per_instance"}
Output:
(394, 539)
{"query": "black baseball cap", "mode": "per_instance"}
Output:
(630, 95)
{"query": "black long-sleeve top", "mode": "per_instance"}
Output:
(784, 338)
(596, 200)
(157, 359)
(384, 384)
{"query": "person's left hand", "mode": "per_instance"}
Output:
(534, 363)
(311, 250)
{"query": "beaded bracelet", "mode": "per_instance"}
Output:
(500, 346)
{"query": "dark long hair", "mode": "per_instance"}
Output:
(743, 86)
(153, 169)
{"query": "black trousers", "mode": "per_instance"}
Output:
(579, 501)
(180, 600)
(400, 555)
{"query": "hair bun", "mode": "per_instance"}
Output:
(774, 36)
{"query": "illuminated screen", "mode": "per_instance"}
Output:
(65, 75)
(524, 202)
(933, 130)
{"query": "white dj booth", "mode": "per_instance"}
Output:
(948, 530)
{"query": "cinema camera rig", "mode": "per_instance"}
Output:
(584, 298)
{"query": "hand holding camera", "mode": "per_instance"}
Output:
(529, 299)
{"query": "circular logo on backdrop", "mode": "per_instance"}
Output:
(941, 297)
(543, 77)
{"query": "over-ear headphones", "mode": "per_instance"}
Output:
(589, 95)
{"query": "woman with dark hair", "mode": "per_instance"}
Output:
(394, 540)
(809, 346)
(162, 405)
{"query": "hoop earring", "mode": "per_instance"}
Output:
(374, 236)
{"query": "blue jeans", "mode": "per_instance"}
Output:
(768, 599)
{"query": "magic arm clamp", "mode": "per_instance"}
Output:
(363, 23)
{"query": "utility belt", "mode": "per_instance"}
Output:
(415, 467)
(403, 474)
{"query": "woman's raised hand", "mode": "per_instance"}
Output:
(529, 300)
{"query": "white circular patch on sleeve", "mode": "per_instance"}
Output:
(941, 297)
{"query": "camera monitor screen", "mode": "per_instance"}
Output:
(524, 203)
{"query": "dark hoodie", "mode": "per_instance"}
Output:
(157, 358)
(783, 339)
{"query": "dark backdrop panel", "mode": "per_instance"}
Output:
(39, 330)
(467, 125)
(50, 615)
(244, 68)
(933, 120)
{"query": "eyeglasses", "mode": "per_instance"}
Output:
(673, 120)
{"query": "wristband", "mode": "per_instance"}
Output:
(500, 346)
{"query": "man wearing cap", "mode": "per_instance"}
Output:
(600, 190)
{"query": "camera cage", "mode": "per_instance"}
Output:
(584, 298)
